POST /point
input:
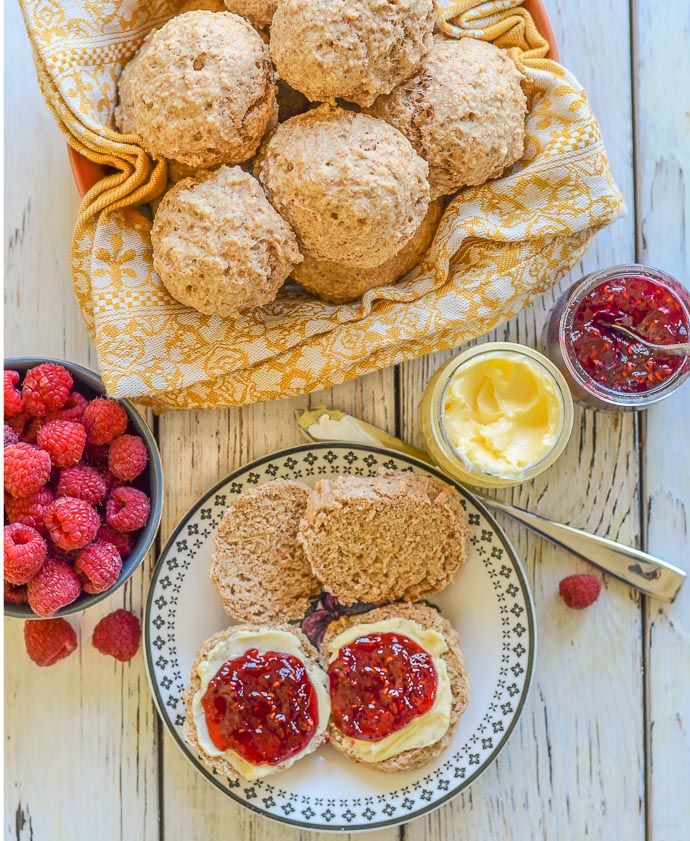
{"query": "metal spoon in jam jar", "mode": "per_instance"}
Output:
(681, 349)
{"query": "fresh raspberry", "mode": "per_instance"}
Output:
(71, 523)
(54, 586)
(49, 640)
(58, 554)
(127, 457)
(104, 420)
(82, 482)
(123, 541)
(63, 441)
(46, 388)
(73, 410)
(579, 591)
(127, 509)
(18, 423)
(14, 405)
(25, 550)
(118, 634)
(26, 469)
(11, 437)
(14, 594)
(31, 430)
(29, 510)
(98, 566)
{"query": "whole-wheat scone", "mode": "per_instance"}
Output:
(218, 244)
(463, 111)
(354, 49)
(259, 12)
(350, 185)
(200, 91)
(340, 284)
(387, 537)
(259, 567)
(219, 763)
(428, 618)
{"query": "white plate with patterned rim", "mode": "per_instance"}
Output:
(489, 604)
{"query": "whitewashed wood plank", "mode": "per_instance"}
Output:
(80, 737)
(198, 449)
(663, 189)
(575, 765)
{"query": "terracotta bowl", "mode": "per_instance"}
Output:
(87, 173)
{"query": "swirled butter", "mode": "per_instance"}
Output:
(263, 640)
(424, 730)
(502, 413)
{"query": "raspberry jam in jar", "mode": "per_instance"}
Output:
(605, 369)
(378, 684)
(262, 706)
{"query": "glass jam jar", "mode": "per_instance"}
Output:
(604, 369)
(496, 415)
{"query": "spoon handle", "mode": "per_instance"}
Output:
(649, 575)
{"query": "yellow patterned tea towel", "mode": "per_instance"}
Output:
(498, 245)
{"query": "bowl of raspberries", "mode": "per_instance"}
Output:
(83, 489)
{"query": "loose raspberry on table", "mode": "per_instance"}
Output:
(82, 482)
(11, 437)
(127, 457)
(15, 594)
(14, 404)
(71, 523)
(123, 541)
(63, 441)
(46, 388)
(98, 566)
(118, 634)
(26, 469)
(127, 509)
(579, 591)
(49, 640)
(53, 587)
(25, 551)
(29, 510)
(104, 420)
(73, 410)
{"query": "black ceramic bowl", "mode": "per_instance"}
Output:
(90, 385)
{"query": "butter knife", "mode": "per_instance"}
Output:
(644, 572)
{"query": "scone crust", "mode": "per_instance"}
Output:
(201, 91)
(398, 535)
(454, 659)
(218, 763)
(353, 49)
(339, 284)
(348, 184)
(259, 568)
(218, 244)
(463, 111)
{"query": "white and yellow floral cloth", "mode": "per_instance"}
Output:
(497, 247)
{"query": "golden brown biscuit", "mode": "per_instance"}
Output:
(340, 284)
(219, 246)
(463, 111)
(349, 184)
(355, 50)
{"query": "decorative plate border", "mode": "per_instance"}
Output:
(508, 579)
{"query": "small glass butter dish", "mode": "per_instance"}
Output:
(496, 415)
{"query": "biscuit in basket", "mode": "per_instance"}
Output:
(340, 284)
(463, 111)
(350, 185)
(392, 536)
(354, 50)
(235, 734)
(426, 734)
(200, 91)
(259, 567)
(219, 246)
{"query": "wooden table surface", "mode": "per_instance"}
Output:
(603, 748)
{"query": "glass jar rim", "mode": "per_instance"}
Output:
(577, 293)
